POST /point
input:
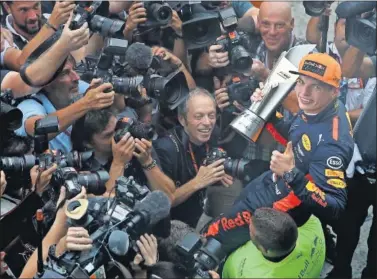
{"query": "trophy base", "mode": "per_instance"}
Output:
(249, 125)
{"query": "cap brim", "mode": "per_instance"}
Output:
(295, 73)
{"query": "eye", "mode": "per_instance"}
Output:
(198, 116)
(212, 116)
(299, 81)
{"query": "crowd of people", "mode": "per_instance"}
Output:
(147, 128)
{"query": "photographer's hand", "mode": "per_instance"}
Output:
(210, 174)
(167, 55)
(218, 59)
(123, 150)
(148, 248)
(136, 14)
(144, 154)
(74, 39)
(44, 178)
(96, 98)
(77, 239)
(258, 70)
(61, 218)
(6, 35)
(61, 12)
(3, 183)
(176, 23)
(214, 274)
(227, 180)
(221, 94)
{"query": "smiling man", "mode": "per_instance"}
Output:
(182, 152)
(309, 177)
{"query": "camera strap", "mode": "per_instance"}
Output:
(193, 159)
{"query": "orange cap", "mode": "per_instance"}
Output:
(320, 66)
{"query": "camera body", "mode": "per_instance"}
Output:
(136, 128)
(199, 258)
(95, 14)
(240, 91)
(94, 182)
(235, 43)
(238, 168)
(159, 13)
(129, 192)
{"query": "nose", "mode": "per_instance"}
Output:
(32, 15)
(273, 30)
(206, 120)
(74, 76)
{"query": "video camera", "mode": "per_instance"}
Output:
(360, 32)
(240, 91)
(235, 42)
(137, 129)
(238, 168)
(95, 14)
(199, 258)
(200, 27)
(111, 240)
(315, 8)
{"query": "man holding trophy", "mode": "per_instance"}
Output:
(309, 177)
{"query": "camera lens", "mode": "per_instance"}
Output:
(236, 167)
(127, 86)
(162, 13)
(240, 59)
(94, 182)
(17, 163)
(314, 8)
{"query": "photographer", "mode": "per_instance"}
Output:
(58, 98)
(30, 28)
(128, 157)
(56, 233)
(41, 70)
(137, 15)
(182, 152)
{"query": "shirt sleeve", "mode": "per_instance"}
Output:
(164, 149)
(241, 7)
(29, 108)
(2, 55)
(325, 193)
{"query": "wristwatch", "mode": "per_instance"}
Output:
(289, 176)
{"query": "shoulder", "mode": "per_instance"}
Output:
(166, 145)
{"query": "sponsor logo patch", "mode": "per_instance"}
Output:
(334, 173)
(334, 162)
(311, 187)
(337, 183)
(306, 142)
(314, 67)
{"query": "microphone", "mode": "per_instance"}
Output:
(154, 207)
(139, 56)
(119, 242)
(352, 8)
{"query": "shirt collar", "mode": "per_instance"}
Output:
(9, 24)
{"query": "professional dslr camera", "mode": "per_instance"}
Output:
(73, 159)
(199, 258)
(159, 14)
(136, 128)
(95, 14)
(235, 42)
(94, 182)
(240, 91)
(238, 168)
(360, 32)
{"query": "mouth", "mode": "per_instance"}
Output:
(205, 131)
(305, 101)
